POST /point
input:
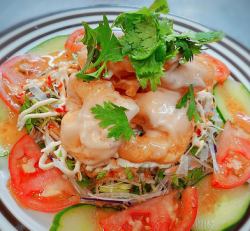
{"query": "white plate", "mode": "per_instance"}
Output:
(21, 38)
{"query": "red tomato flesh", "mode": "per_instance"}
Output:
(14, 74)
(34, 188)
(233, 157)
(221, 70)
(164, 213)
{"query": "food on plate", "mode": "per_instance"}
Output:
(137, 130)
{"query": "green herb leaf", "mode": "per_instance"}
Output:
(91, 76)
(140, 34)
(143, 42)
(194, 150)
(148, 40)
(183, 101)
(114, 118)
(101, 175)
(178, 183)
(29, 124)
(160, 6)
(189, 43)
(70, 163)
(188, 49)
(85, 182)
(207, 37)
(192, 112)
(193, 177)
(160, 174)
(110, 49)
(135, 190)
(129, 174)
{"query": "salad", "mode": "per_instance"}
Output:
(127, 127)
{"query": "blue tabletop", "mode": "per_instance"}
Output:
(228, 15)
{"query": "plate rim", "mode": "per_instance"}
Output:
(32, 19)
(12, 28)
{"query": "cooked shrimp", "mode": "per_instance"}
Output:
(129, 86)
(203, 72)
(81, 134)
(167, 130)
(82, 56)
(121, 68)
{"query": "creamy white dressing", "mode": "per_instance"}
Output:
(25, 115)
(125, 163)
(198, 72)
(160, 108)
(60, 160)
(53, 58)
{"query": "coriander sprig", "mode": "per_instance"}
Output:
(148, 40)
(192, 112)
(114, 118)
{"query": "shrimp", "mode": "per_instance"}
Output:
(167, 130)
(203, 72)
(82, 56)
(81, 134)
(121, 68)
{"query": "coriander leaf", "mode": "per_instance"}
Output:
(135, 189)
(114, 118)
(207, 37)
(194, 150)
(140, 34)
(160, 6)
(188, 49)
(183, 101)
(143, 42)
(189, 43)
(101, 175)
(148, 70)
(109, 49)
(178, 183)
(70, 163)
(166, 27)
(192, 112)
(91, 76)
(160, 174)
(85, 182)
(129, 174)
(29, 124)
(194, 176)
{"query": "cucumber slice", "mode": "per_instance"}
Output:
(231, 98)
(4, 115)
(49, 46)
(81, 217)
(220, 209)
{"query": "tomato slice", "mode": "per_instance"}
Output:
(14, 74)
(34, 188)
(233, 157)
(221, 70)
(164, 213)
(187, 210)
(73, 43)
